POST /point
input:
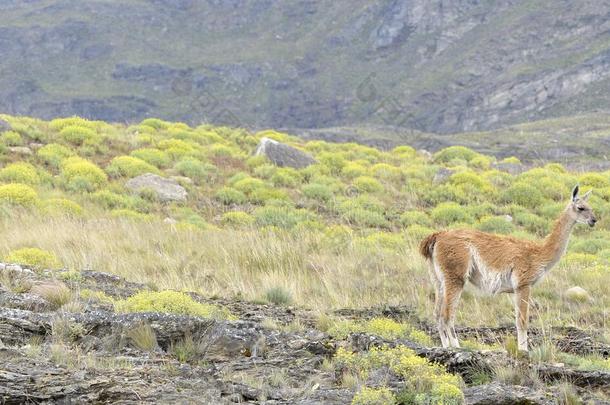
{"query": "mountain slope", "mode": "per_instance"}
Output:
(431, 66)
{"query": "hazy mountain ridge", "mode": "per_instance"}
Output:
(433, 66)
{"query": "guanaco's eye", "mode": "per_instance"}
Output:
(581, 208)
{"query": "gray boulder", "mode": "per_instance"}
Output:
(166, 189)
(283, 155)
(4, 126)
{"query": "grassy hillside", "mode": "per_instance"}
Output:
(340, 234)
(426, 65)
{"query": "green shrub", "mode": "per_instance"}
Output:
(80, 175)
(366, 184)
(352, 170)
(333, 161)
(192, 168)
(18, 194)
(425, 382)
(386, 172)
(285, 177)
(229, 195)
(374, 396)
(365, 217)
(449, 212)
(415, 217)
(53, 154)
(152, 156)
(523, 194)
(62, 206)
(495, 225)
(20, 172)
(404, 151)
(80, 135)
(176, 148)
(264, 194)
(11, 138)
(33, 257)
(595, 180)
(129, 166)
(155, 123)
(318, 192)
(278, 296)
(248, 185)
(454, 152)
(280, 217)
(173, 302)
(59, 124)
(237, 219)
(531, 222)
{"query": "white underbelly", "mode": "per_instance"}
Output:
(489, 280)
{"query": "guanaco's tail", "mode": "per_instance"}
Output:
(427, 245)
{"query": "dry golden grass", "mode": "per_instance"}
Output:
(247, 263)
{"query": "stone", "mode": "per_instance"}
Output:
(283, 155)
(577, 294)
(442, 175)
(166, 189)
(20, 150)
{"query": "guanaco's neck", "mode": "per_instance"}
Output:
(556, 242)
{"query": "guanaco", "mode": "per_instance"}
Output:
(496, 264)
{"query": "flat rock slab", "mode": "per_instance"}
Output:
(283, 155)
(166, 189)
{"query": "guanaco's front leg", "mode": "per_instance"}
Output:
(522, 302)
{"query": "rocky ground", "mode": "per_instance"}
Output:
(88, 353)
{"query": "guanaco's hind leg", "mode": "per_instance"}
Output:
(451, 298)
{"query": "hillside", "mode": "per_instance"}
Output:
(439, 67)
(242, 281)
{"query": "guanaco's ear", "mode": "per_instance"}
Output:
(586, 195)
(575, 193)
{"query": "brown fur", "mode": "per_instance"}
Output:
(496, 263)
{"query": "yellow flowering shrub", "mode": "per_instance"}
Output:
(18, 194)
(129, 166)
(80, 174)
(20, 172)
(34, 257)
(174, 302)
(374, 396)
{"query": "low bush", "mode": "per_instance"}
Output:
(237, 219)
(173, 302)
(153, 156)
(80, 135)
(495, 225)
(34, 257)
(82, 175)
(62, 206)
(20, 172)
(18, 194)
(523, 194)
(11, 138)
(318, 192)
(53, 154)
(229, 196)
(129, 166)
(449, 212)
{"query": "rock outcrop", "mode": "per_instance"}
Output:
(283, 155)
(92, 356)
(165, 189)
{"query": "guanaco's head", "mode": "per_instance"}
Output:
(580, 210)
